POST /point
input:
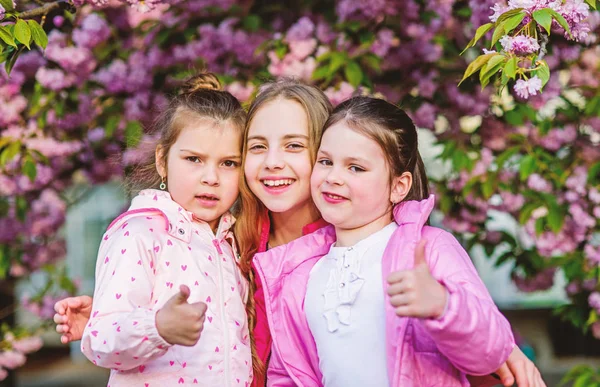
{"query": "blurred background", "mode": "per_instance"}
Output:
(516, 169)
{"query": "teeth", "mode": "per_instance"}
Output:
(277, 183)
(334, 196)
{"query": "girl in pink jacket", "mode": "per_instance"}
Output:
(379, 298)
(169, 300)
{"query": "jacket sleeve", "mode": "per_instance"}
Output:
(277, 376)
(472, 333)
(121, 333)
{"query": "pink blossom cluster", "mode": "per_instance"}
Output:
(14, 356)
(575, 12)
(520, 44)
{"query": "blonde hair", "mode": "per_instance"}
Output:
(317, 107)
(200, 97)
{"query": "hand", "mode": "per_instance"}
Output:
(415, 293)
(179, 322)
(520, 367)
(72, 315)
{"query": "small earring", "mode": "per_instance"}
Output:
(162, 184)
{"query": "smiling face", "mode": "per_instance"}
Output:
(351, 179)
(278, 165)
(202, 168)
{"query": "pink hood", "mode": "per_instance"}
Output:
(472, 337)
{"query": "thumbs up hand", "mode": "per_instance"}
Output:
(179, 322)
(415, 293)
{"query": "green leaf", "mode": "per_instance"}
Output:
(373, 62)
(539, 226)
(507, 154)
(561, 20)
(487, 188)
(22, 206)
(510, 69)
(5, 263)
(7, 5)
(594, 174)
(29, 168)
(526, 211)
(513, 21)
(12, 59)
(23, 32)
(111, 125)
(133, 133)
(543, 72)
(544, 18)
(592, 3)
(489, 71)
(38, 34)
(251, 23)
(9, 153)
(555, 217)
(7, 37)
(593, 107)
(337, 61)
(320, 73)
(526, 167)
(477, 64)
(508, 14)
(498, 33)
(353, 73)
(482, 30)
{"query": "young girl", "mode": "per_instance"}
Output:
(169, 301)
(366, 302)
(276, 205)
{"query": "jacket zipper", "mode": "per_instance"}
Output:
(222, 307)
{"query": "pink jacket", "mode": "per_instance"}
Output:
(471, 338)
(144, 256)
(262, 334)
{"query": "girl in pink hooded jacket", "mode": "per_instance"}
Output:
(167, 268)
(379, 298)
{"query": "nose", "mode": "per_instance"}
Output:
(274, 159)
(334, 177)
(210, 176)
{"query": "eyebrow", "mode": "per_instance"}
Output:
(286, 137)
(236, 156)
(346, 159)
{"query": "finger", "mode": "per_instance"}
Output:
(401, 300)
(539, 380)
(182, 296)
(397, 276)
(59, 307)
(520, 374)
(66, 338)
(506, 377)
(420, 254)
(531, 377)
(402, 287)
(405, 311)
(60, 319)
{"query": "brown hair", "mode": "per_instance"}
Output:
(391, 128)
(247, 231)
(200, 97)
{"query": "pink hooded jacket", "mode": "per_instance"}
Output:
(145, 255)
(472, 337)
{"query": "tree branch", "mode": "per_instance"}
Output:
(44, 10)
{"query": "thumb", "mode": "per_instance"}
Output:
(182, 296)
(420, 255)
